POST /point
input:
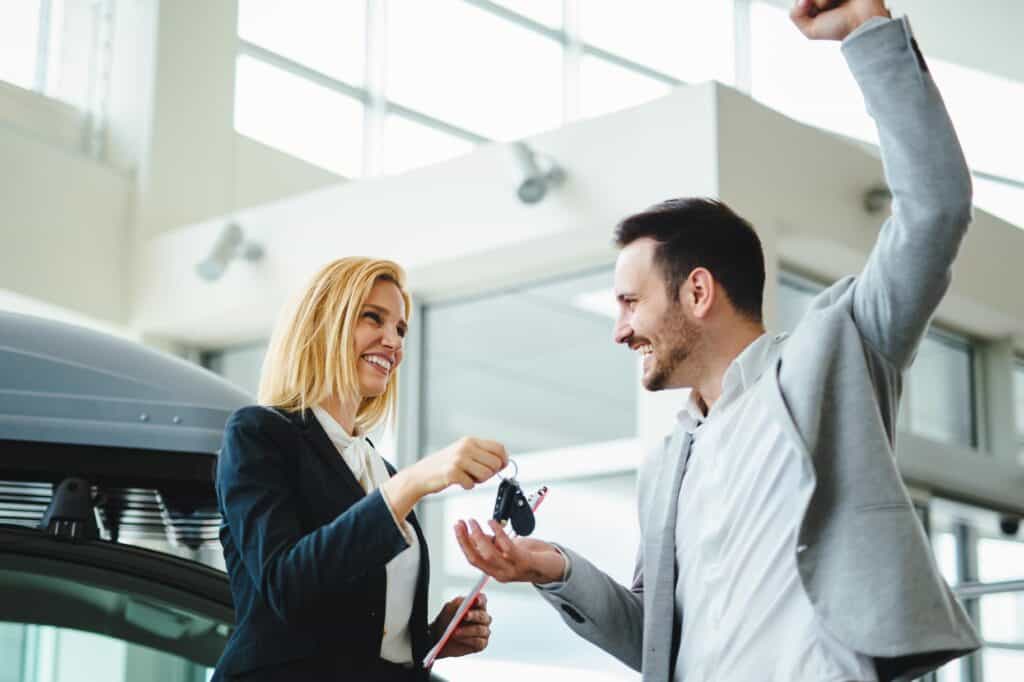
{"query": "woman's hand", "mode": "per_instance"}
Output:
(472, 634)
(466, 462)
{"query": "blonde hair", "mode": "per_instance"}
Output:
(312, 350)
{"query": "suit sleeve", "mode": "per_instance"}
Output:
(297, 574)
(601, 610)
(909, 269)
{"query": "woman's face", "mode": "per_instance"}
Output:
(379, 333)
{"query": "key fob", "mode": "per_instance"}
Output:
(504, 500)
(511, 505)
(521, 515)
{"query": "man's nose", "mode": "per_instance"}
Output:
(622, 331)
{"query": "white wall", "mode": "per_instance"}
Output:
(29, 114)
(804, 188)
(62, 227)
(169, 156)
(456, 226)
(264, 174)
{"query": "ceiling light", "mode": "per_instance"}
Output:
(230, 245)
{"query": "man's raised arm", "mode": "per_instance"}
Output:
(908, 271)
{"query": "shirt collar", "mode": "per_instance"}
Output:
(748, 366)
(347, 444)
(690, 416)
(745, 369)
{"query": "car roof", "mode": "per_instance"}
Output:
(61, 383)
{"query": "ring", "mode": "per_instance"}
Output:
(511, 462)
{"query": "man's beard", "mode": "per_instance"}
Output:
(682, 334)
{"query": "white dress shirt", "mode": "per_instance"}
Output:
(368, 468)
(744, 613)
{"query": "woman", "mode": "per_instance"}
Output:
(327, 563)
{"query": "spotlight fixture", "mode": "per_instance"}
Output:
(537, 173)
(230, 245)
(876, 199)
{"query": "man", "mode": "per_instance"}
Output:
(789, 551)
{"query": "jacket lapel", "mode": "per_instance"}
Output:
(314, 433)
(660, 561)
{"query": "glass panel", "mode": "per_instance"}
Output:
(325, 35)
(406, 145)
(1002, 615)
(689, 39)
(607, 87)
(795, 294)
(806, 80)
(534, 368)
(488, 75)
(70, 630)
(72, 51)
(12, 652)
(1000, 559)
(33, 653)
(298, 117)
(990, 135)
(944, 546)
(547, 12)
(951, 672)
(241, 365)
(1002, 665)
(607, 533)
(19, 37)
(938, 394)
(938, 400)
(1001, 200)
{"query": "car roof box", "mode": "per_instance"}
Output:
(75, 402)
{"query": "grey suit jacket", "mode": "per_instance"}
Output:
(861, 553)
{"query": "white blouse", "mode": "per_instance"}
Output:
(368, 468)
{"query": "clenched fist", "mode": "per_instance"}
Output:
(834, 19)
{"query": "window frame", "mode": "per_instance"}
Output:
(1018, 399)
(377, 105)
(796, 279)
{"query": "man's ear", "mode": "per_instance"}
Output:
(699, 290)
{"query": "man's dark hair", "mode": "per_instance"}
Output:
(695, 232)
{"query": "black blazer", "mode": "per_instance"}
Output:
(305, 549)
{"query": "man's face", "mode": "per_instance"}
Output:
(651, 322)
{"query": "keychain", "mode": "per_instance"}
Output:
(511, 503)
